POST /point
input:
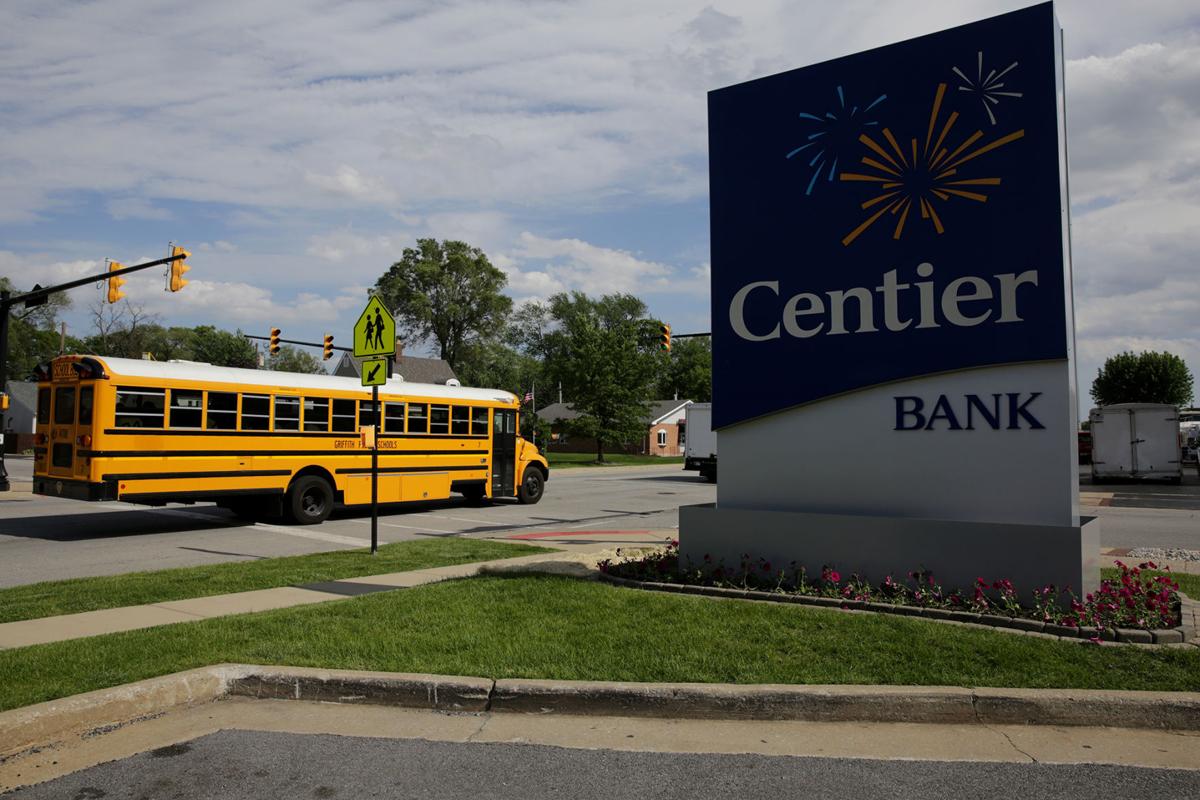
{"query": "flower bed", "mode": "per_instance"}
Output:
(1136, 607)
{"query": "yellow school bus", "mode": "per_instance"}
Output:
(264, 443)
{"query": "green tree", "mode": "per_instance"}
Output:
(445, 291)
(687, 373)
(293, 359)
(32, 337)
(604, 353)
(222, 348)
(1147, 377)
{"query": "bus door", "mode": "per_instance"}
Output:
(61, 445)
(504, 452)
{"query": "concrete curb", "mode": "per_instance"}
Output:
(1188, 632)
(51, 724)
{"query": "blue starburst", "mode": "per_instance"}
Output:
(838, 132)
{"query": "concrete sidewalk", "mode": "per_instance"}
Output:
(576, 560)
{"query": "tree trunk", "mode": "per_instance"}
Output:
(599, 450)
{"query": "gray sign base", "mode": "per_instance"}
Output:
(1031, 556)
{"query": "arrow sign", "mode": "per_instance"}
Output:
(375, 331)
(374, 372)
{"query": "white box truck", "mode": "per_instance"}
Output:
(1136, 440)
(700, 451)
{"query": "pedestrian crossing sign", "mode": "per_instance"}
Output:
(375, 331)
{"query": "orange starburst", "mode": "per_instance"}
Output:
(922, 174)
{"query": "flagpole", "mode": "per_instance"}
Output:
(533, 410)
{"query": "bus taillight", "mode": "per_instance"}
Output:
(83, 441)
(39, 439)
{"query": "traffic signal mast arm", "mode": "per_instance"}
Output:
(297, 341)
(38, 296)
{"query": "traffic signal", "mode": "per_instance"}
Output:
(665, 341)
(274, 347)
(328, 347)
(115, 282)
(178, 267)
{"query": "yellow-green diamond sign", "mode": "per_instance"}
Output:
(375, 332)
(374, 372)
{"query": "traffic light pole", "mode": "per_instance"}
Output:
(36, 297)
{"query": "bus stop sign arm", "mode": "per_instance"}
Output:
(36, 297)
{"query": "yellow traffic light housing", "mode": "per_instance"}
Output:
(115, 282)
(665, 342)
(274, 346)
(328, 347)
(3, 402)
(178, 267)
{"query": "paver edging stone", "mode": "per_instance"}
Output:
(1177, 635)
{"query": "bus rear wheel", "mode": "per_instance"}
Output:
(532, 486)
(309, 500)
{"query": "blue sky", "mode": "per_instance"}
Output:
(298, 147)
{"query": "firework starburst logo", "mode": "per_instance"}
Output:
(914, 176)
(837, 133)
(987, 89)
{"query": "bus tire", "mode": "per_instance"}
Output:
(309, 500)
(532, 486)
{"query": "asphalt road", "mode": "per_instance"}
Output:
(282, 766)
(44, 538)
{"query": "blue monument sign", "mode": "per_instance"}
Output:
(893, 335)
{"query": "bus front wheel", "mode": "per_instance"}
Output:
(532, 485)
(309, 500)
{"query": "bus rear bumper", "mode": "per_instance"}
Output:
(74, 490)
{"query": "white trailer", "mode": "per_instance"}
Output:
(1136, 440)
(700, 452)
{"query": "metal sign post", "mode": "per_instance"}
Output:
(375, 335)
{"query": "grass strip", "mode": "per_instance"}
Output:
(541, 626)
(569, 460)
(52, 598)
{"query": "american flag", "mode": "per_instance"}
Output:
(528, 397)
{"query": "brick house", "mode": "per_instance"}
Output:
(665, 430)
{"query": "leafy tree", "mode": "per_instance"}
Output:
(445, 291)
(604, 353)
(222, 348)
(1147, 377)
(498, 366)
(32, 337)
(687, 373)
(293, 359)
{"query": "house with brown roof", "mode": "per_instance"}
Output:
(666, 430)
(413, 369)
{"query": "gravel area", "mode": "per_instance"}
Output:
(1164, 554)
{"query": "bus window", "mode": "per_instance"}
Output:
(138, 407)
(439, 419)
(256, 412)
(64, 405)
(393, 417)
(343, 415)
(366, 413)
(43, 410)
(316, 413)
(418, 418)
(186, 408)
(86, 394)
(479, 422)
(222, 411)
(287, 413)
(460, 421)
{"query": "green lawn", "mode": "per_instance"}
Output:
(541, 626)
(135, 588)
(567, 460)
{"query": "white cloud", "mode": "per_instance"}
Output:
(135, 208)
